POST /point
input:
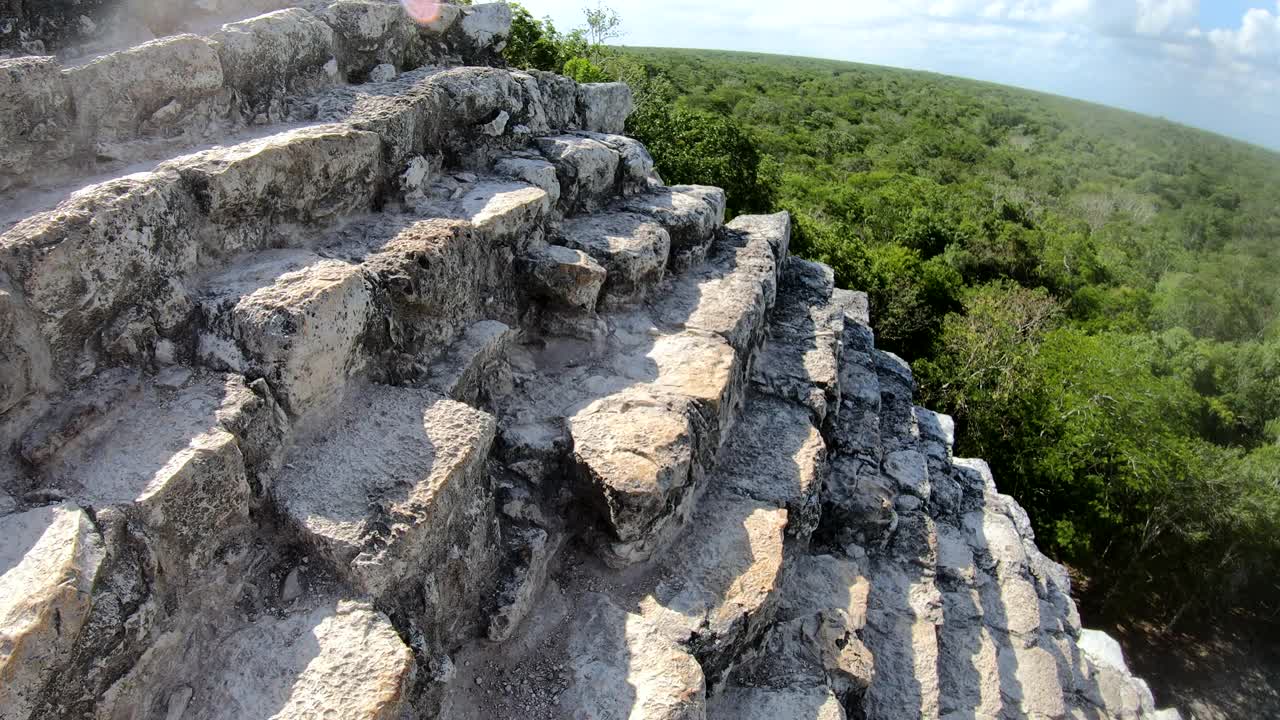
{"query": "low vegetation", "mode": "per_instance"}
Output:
(1093, 294)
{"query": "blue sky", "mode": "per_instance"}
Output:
(1214, 64)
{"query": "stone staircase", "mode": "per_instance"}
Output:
(419, 395)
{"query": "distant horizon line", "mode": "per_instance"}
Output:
(1275, 150)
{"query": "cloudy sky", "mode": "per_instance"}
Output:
(1210, 63)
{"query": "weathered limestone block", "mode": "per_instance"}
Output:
(35, 117)
(49, 561)
(909, 470)
(487, 24)
(290, 317)
(689, 218)
(800, 361)
(623, 667)
(567, 278)
(800, 703)
(473, 97)
(517, 595)
(775, 455)
(123, 245)
(310, 175)
(25, 365)
(167, 456)
(636, 456)
(533, 170)
(146, 89)
(816, 641)
(436, 278)
(474, 369)
(1031, 681)
(897, 411)
(343, 659)
(559, 97)
(858, 503)
(724, 581)
(368, 33)
(632, 248)
(390, 493)
(500, 209)
(637, 170)
(604, 107)
(587, 170)
(265, 57)
(732, 293)
(857, 426)
(642, 454)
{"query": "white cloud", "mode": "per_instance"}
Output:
(1258, 37)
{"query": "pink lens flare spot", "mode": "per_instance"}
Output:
(422, 11)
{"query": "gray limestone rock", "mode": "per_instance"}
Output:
(36, 117)
(266, 57)
(147, 89)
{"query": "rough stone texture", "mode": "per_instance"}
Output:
(367, 34)
(48, 563)
(623, 667)
(373, 491)
(309, 175)
(604, 107)
(146, 89)
(291, 317)
(567, 277)
(688, 214)
(588, 451)
(587, 170)
(632, 249)
(328, 659)
(35, 117)
(266, 57)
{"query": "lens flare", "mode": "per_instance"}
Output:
(422, 11)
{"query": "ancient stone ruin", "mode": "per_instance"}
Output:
(346, 374)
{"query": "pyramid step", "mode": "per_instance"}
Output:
(636, 171)
(291, 317)
(49, 561)
(623, 666)
(474, 369)
(177, 91)
(332, 658)
(587, 170)
(178, 454)
(392, 489)
(497, 207)
(690, 213)
(309, 175)
(646, 417)
(567, 279)
(801, 357)
(732, 292)
(800, 703)
(632, 248)
(643, 453)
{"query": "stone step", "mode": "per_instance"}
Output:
(801, 357)
(392, 494)
(632, 248)
(291, 317)
(331, 658)
(643, 451)
(49, 562)
(690, 214)
(794, 703)
(179, 455)
(124, 106)
(592, 169)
